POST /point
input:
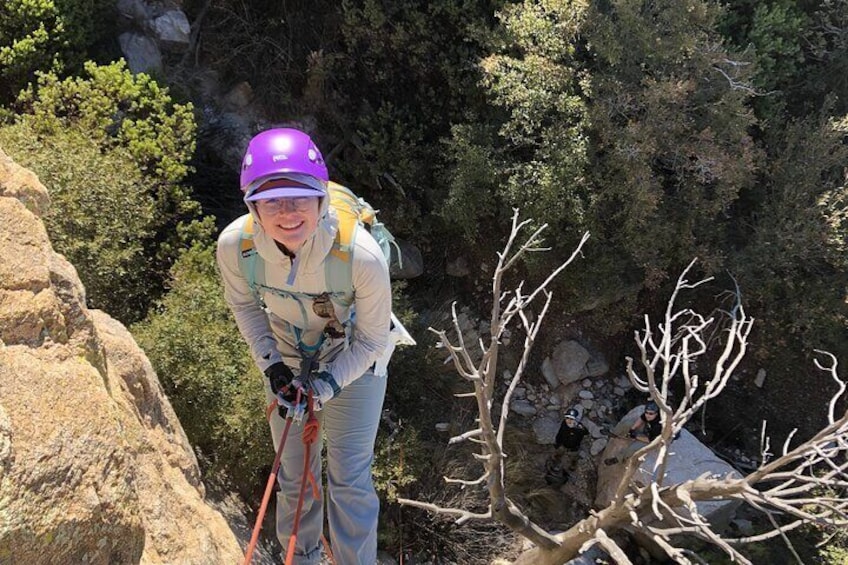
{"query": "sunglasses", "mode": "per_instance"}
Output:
(298, 204)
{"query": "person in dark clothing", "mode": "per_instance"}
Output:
(644, 430)
(570, 435)
(571, 432)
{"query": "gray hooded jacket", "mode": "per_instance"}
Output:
(271, 335)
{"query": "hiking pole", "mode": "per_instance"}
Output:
(269, 487)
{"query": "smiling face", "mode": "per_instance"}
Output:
(290, 221)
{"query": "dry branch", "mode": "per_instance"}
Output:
(792, 484)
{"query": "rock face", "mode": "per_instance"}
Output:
(689, 460)
(94, 465)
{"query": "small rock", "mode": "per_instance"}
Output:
(549, 373)
(618, 391)
(523, 407)
(593, 428)
(598, 445)
(507, 375)
(761, 378)
(442, 426)
(586, 394)
(587, 404)
(587, 383)
(597, 367)
(173, 30)
(519, 392)
(546, 428)
(579, 412)
(554, 400)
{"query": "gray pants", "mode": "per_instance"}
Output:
(349, 422)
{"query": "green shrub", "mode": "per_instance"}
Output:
(526, 146)
(119, 109)
(793, 262)
(114, 149)
(205, 367)
(98, 218)
(45, 35)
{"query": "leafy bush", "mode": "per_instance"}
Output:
(671, 149)
(113, 149)
(45, 35)
(119, 109)
(98, 218)
(205, 367)
(526, 146)
(399, 76)
(793, 263)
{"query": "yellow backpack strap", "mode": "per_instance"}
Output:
(247, 236)
(252, 266)
(348, 210)
(339, 270)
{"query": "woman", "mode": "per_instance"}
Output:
(293, 320)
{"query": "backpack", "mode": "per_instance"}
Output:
(353, 213)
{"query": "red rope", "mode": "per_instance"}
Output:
(311, 430)
(269, 486)
(310, 434)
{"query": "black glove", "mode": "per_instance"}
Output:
(279, 375)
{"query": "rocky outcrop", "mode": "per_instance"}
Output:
(688, 459)
(94, 465)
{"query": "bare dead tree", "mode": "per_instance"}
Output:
(807, 483)
(481, 375)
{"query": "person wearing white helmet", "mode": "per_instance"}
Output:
(305, 339)
(568, 439)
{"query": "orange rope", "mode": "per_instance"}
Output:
(328, 550)
(311, 431)
(310, 434)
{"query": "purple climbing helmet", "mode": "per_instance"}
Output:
(283, 153)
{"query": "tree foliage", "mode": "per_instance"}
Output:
(113, 149)
(793, 258)
(45, 35)
(400, 75)
(672, 149)
(531, 152)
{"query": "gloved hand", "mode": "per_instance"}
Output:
(324, 388)
(279, 376)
